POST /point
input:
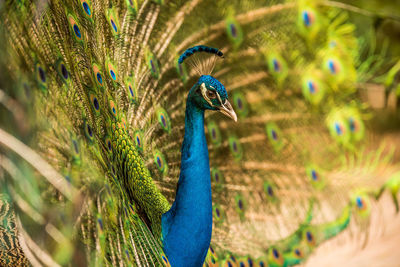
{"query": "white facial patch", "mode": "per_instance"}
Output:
(204, 93)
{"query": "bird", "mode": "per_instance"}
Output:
(185, 133)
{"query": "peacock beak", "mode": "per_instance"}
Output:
(227, 110)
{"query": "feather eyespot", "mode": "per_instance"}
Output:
(233, 30)
(216, 177)
(75, 151)
(362, 205)
(354, 124)
(113, 108)
(123, 123)
(95, 103)
(298, 253)
(99, 78)
(235, 147)
(214, 133)
(276, 65)
(308, 18)
(160, 161)
(163, 119)
(153, 68)
(314, 175)
(240, 104)
(163, 122)
(309, 236)
(276, 253)
(100, 223)
(270, 192)
(218, 214)
(77, 31)
(132, 6)
(359, 202)
(97, 75)
(152, 64)
(131, 91)
(62, 70)
(275, 256)
(274, 136)
(138, 139)
(86, 7)
(88, 131)
(113, 20)
(108, 144)
(75, 28)
(312, 87)
(240, 205)
(338, 128)
(113, 25)
(41, 74)
(332, 65)
(112, 71)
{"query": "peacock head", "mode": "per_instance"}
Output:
(209, 93)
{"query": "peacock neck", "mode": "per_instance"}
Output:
(190, 217)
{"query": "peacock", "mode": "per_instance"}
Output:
(193, 133)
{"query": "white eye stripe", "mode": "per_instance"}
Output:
(219, 99)
(204, 93)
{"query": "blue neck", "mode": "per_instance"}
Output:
(187, 226)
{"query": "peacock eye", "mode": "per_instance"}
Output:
(211, 94)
